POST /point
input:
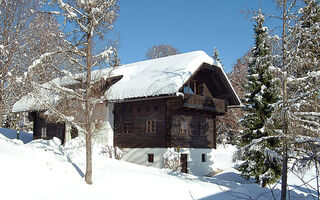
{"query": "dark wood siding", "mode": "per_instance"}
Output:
(137, 113)
(167, 113)
(200, 132)
(52, 129)
(205, 99)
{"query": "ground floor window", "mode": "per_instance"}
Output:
(204, 157)
(43, 132)
(150, 158)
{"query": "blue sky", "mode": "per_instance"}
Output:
(188, 25)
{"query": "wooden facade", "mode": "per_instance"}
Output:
(42, 129)
(131, 121)
(186, 121)
(132, 125)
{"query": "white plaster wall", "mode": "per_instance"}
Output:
(140, 156)
(105, 134)
(195, 164)
(110, 124)
(67, 136)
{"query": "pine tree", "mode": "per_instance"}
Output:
(216, 55)
(304, 85)
(305, 39)
(305, 70)
(115, 59)
(257, 146)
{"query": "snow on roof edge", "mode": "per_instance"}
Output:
(160, 76)
(225, 75)
(180, 67)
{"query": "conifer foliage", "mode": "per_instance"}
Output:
(257, 148)
(216, 55)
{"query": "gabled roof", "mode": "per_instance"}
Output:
(162, 76)
(155, 77)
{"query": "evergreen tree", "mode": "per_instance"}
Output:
(305, 48)
(258, 148)
(115, 59)
(304, 85)
(216, 55)
(305, 39)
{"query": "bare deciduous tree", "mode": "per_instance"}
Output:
(89, 21)
(14, 18)
(228, 126)
(162, 50)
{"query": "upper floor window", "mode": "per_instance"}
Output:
(126, 128)
(183, 126)
(193, 87)
(203, 127)
(151, 126)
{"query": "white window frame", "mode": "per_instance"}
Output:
(43, 132)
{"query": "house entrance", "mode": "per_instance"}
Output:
(184, 163)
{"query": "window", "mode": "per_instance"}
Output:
(183, 126)
(150, 158)
(187, 90)
(126, 128)
(203, 127)
(43, 132)
(193, 88)
(204, 157)
(150, 126)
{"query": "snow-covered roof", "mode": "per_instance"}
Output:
(157, 76)
(162, 76)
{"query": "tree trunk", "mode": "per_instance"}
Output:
(1, 111)
(284, 172)
(1, 104)
(264, 183)
(88, 176)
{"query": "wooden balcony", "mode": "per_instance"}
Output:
(204, 103)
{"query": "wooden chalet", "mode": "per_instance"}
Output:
(184, 120)
(153, 105)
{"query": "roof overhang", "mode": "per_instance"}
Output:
(222, 85)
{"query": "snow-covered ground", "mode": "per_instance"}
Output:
(45, 170)
(12, 134)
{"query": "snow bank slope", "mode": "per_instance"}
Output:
(12, 134)
(45, 170)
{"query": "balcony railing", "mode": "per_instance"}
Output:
(204, 103)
